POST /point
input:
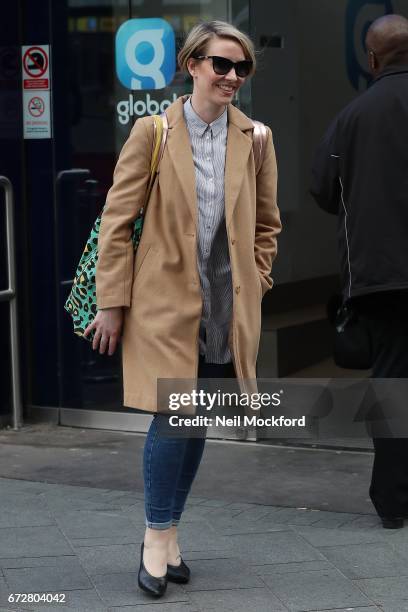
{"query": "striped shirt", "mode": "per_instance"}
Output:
(209, 144)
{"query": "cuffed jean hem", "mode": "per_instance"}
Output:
(159, 526)
(175, 521)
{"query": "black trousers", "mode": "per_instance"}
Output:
(386, 315)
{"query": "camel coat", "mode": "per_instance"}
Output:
(160, 285)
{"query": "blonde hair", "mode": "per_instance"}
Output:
(197, 40)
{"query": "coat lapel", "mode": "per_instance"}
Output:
(238, 149)
(181, 155)
(239, 145)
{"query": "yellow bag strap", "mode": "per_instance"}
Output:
(160, 127)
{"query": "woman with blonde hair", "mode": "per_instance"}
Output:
(188, 304)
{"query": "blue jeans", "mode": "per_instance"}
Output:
(170, 464)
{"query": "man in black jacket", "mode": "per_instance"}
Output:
(360, 173)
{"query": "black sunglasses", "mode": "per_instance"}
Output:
(222, 65)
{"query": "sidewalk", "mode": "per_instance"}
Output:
(85, 542)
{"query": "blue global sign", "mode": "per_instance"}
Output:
(359, 16)
(145, 54)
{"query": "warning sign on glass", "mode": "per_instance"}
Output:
(37, 114)
(36, 67)
(36, 91)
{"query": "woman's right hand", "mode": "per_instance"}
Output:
(108, 326)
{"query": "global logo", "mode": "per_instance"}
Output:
(359, 16)
(145, 52)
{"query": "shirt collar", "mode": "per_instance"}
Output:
(391, 70)
(199, 126)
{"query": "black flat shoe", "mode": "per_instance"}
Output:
(178, 573)
(392, 523)
(152, 585)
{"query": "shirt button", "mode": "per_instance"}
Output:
(232, 241)
(237, 289)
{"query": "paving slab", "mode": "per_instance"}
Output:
(291, 568)
(364, 521)
(239, 506)
(134, 537)
(255, 513)
(318, 536)
(26, 562)
(94, 523)
(273, 547)
(195, 500)
(237, 526)
(382, 589)
(237, 600)
(109, 559)
(32, 542)
(224, 514)
(25, 485)
(18, 498)
(136, 510)
(390, 605)
(214, 503)
(74, 492)
(367, 560)
(206, 554)
(398, 540)
(128, 499)
(213, 574)
(333, 519)
(316, 590)
(25, 517)
(113, 495)
(296, 516)
(69, 576)
(61, 504)
(200, 537)
(365, 609)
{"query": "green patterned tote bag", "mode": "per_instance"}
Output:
(81, 301)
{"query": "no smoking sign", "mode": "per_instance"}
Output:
(36, 107)
(36, 91)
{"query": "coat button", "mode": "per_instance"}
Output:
(237, 289)
(232, 241)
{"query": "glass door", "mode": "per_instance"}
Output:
(11, 155)
(96, 103)
(88, 138)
